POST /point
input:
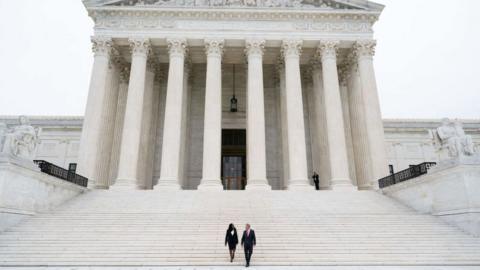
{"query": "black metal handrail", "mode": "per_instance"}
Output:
(402, 176)
(59, 172)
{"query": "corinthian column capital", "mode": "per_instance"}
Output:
(177, 46)
(328, 49)
(292, 47)
(214, 47)
(364, 48)
(254, 47)
(140, 46)
(101, 45)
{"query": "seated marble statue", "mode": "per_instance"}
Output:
(20, 141)
(3, 133)
(451, 138)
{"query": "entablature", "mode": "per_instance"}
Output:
(200, 23)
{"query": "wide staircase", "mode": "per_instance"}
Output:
(152, 228)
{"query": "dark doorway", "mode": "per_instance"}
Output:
(234, 162)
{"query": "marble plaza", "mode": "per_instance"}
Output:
(206, 112)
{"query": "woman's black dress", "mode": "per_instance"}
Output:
(231, 239)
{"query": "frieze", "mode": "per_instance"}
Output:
(327, 25)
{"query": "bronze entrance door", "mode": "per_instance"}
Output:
(234, 159)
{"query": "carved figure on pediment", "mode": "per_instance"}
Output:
(217, 3)
(170, 3)
(22, 140)
(250, 3)
(296, 3)
(451, 141)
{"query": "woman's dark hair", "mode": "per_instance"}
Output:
(231, 227)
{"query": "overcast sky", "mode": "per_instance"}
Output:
(427, 62)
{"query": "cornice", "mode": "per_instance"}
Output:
(234, 13)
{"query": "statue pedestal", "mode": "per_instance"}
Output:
(450, 191)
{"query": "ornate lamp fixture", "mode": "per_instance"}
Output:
(233, 100)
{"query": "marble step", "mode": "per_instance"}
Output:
(141, 228)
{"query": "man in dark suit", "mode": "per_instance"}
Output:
(248, 242)
(316, 180)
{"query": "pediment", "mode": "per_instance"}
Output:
(304, 4)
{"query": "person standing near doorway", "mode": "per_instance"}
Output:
(248, 242)
(231, 238)
(316, 180)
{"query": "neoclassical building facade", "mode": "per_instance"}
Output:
(233, 94)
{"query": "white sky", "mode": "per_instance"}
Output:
(427, 61)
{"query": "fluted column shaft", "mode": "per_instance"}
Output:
(129, 149)
(361, 149)
(174, 108)
(344, 74)
(150, 164)
(364, 51)
(256, 152)
(283, 120)
(144, 174)
(212, 134)
(124, 74)
(297, 153)
(185, 125)
(337, 148)
(321, 129)
(107, 127)
(92, 126)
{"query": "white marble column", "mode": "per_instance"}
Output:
(124, 74)
(320, 133)
(256, 152)
(174, 108)
(337, 148)
(150, 156)
(145, 171)
(212, 134)
(283, 121)
(107, 125)
(361, 150)
(184, 157)
(344, 75)
(364, 50)
(297, 153)
(92, 125)
(129, 149)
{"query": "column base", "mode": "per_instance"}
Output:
(101, 187)
(300, 184)
(366, 188)
(258, 184)
(170, 185)
(125, 184)
(342, 184)
(210, 185)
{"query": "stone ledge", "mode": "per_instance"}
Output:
(25, 191)
(450, 191)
